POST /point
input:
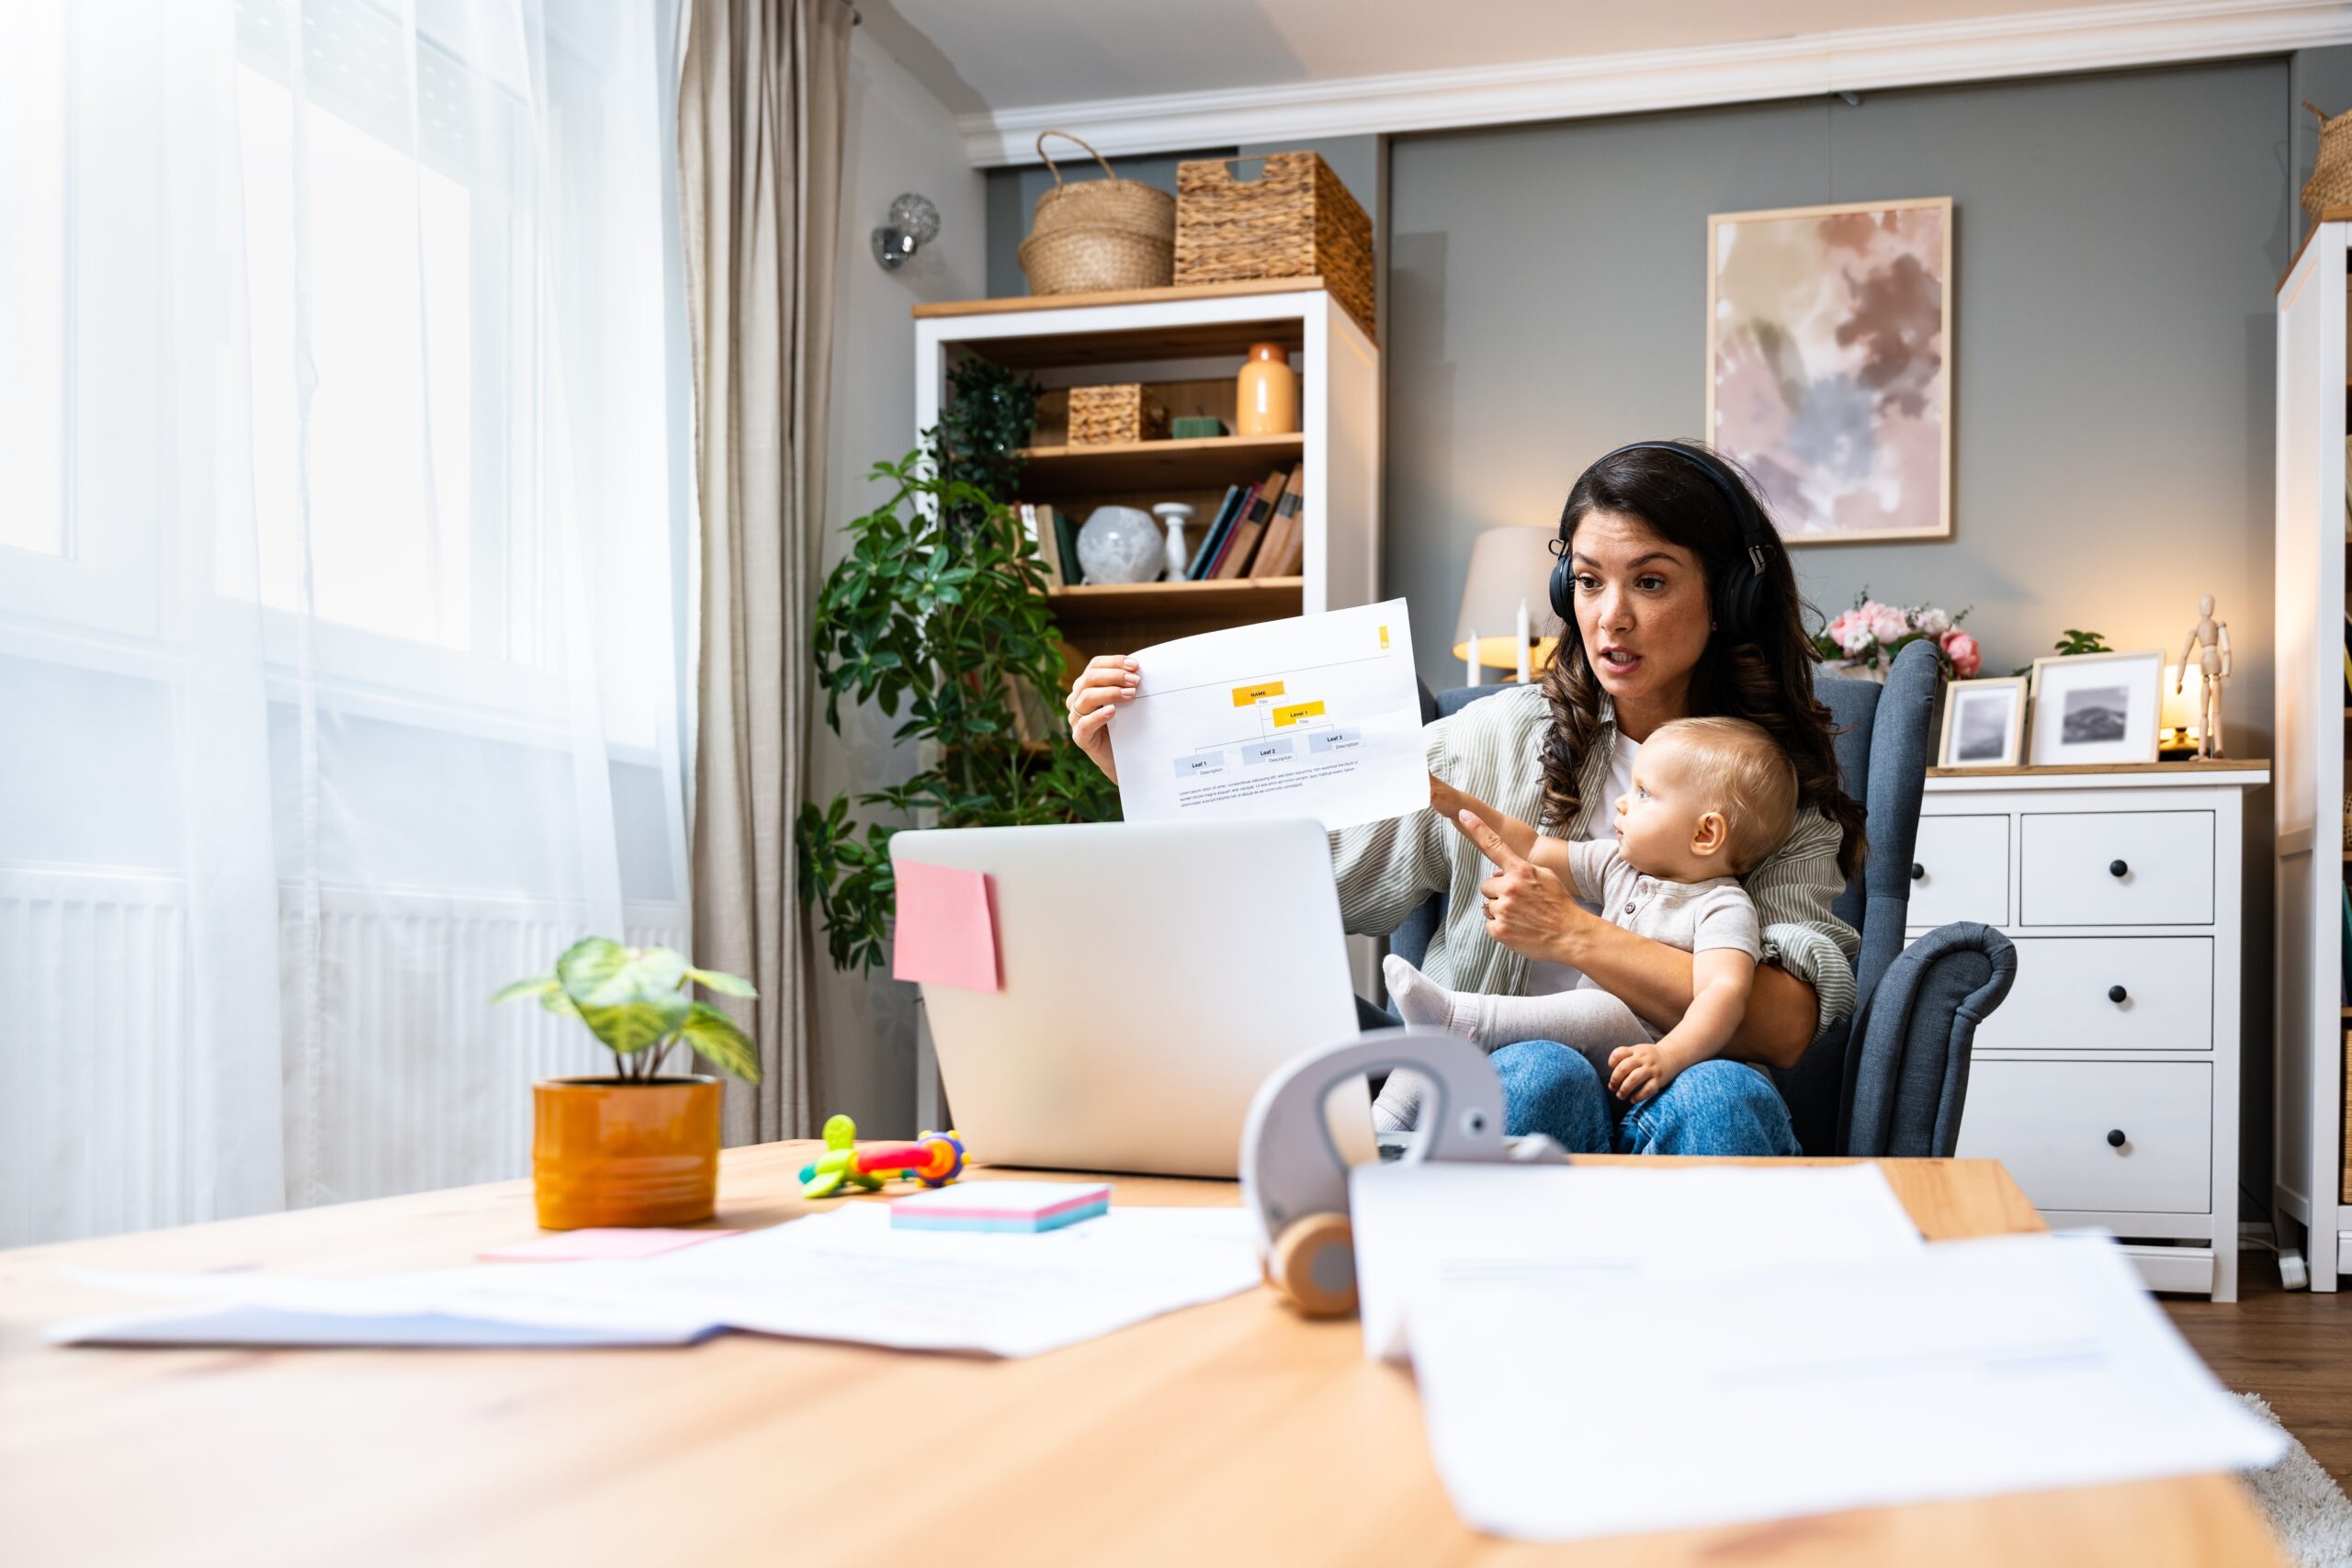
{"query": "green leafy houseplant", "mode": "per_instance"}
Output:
(939, 608)
(2075, 642)
(635, 1000)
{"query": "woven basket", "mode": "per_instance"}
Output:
(2331, 181)
(1098, 235)
(1121, 412)
(1294, 220)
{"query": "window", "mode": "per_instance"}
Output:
(415, 374)
(32, 281)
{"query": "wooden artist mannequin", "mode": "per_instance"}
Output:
(2210, 639)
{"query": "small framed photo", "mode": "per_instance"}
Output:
(1985, 723)
(2097, 707)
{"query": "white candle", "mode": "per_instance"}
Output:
(1470, 662)
(1522, 642)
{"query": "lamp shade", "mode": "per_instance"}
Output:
(1511, 573)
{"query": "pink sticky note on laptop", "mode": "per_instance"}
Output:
(603, 1246)
(946, 930)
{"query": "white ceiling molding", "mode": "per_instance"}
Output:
(2098, 37)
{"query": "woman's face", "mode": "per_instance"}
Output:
(1641, 605)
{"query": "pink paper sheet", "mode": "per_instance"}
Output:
(946, 930)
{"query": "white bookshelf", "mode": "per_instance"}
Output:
(1187, 343)
(2314, 726)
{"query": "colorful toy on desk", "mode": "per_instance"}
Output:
(934, 1159)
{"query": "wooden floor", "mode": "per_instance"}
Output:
(2294, 1347)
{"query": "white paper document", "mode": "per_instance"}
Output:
(842, 1275)
(1470, 1228)
(1319, 716)
(1970, 1367)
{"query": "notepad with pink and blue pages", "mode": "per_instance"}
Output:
(1024, 1207)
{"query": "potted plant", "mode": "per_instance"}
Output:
(940, 607)
(636, 1148)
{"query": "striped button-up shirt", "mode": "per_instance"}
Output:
(1494, 749)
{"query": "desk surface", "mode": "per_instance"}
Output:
(1233, 1432)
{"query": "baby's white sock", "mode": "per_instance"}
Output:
(1421, 1000)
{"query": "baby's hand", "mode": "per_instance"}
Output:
(1637, 1073)
(1444, 799)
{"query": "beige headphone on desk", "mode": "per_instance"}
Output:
(1295, 1179)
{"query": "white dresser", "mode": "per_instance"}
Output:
(2108, 1082)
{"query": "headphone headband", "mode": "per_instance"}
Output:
(1737, 602)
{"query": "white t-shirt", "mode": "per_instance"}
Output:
(1544, 977)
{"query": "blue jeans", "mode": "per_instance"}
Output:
(1711, 1108)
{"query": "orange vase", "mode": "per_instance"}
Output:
(606, 1152)
(1266, 395)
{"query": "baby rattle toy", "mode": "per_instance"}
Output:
(934, 1159)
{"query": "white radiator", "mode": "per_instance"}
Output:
(405, 1078)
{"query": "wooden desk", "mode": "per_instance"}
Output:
(1231, 1433)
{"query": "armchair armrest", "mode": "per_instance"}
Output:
(1906, 1062)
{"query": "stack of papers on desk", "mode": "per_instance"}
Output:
(842, 1275)
(1673, 1367)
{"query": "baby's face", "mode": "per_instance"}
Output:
(1663, 827)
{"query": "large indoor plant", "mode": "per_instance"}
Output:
(939, 609)
(636, 1148)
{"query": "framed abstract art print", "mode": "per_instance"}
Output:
(1829, 364)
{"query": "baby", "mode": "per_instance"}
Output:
(1710, 799)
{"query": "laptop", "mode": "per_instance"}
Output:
(1154, 974)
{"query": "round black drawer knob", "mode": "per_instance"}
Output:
(2116, 868)
(2115, 1137)
(1918, 872)
(2116, 993)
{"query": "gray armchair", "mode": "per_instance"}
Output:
(1893, 1080)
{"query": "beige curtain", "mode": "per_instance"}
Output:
(760, 114)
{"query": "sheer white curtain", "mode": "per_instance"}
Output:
(342, 492)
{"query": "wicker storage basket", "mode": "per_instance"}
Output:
(1294, 220)
(1098, 235)
(2331, 181)
(2343, 1145)
(1122, 412)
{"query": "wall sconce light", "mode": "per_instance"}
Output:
(914, 223)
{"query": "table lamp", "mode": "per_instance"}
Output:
(1507, 621)
(2178, 730)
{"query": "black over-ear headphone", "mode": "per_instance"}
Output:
(1739, 598)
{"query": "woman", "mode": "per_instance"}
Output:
(1678, 599)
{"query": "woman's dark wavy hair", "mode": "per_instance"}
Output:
(1765, 677)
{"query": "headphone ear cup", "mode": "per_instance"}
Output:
(1562, 580)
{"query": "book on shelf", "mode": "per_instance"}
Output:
(1232, 532)
(1250, 532)
(1204, 559)
(1039, 523)
(2345, 961)
(1065, 543)
(1282, 531)
(1293, 560)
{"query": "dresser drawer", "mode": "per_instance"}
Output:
(2064, 997)
(2116, 868)
(1960, 870)
(2049, 1124)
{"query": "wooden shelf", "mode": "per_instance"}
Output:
(947, 308)
(1248, 598)
(1055, 472)
(1056, 345)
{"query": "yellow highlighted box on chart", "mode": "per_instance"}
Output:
(1285, 717)
(1244, 695)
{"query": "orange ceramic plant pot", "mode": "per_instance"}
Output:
(607, 1152)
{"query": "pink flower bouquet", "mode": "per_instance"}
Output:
(1865, 639)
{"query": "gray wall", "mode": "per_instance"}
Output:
(2118, 240)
